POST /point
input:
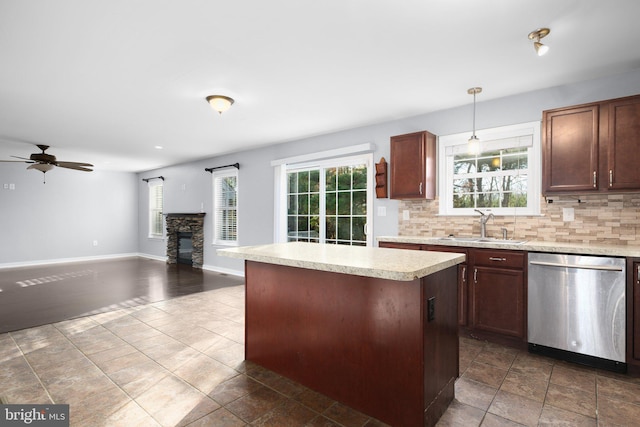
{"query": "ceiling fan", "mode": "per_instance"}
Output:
(45, 162)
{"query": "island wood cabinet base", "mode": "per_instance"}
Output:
(384, 347)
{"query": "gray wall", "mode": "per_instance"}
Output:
(256, 199)
(60, 220)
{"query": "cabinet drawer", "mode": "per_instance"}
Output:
(438, 248)
(499, 258)
(393, 245)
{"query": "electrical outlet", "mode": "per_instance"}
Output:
(382, 211)
(405, 215)
(568, 214)
(12, 186)
(95, 243)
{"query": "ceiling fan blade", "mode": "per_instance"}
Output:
(23, 158)
(16, 161)
(76, 166)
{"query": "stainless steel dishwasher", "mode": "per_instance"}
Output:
(576, 308)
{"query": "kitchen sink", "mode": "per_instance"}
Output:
(460, 239)
(483, 240)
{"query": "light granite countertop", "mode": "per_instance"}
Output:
(393, 264)
(531, 246)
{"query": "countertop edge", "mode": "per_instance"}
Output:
(424, 269)
(530, 246)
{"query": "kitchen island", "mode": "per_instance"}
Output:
(373, 328)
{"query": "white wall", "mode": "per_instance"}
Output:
(61, 219)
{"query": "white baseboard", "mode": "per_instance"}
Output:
(154, 257)
(65, 260)
(239, 273)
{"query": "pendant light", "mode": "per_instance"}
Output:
(474, 143)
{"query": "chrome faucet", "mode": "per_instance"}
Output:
(483, 222)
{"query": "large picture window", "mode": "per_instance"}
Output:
(327, 202)
(501, 178)
(225, 209)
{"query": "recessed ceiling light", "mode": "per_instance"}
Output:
(158, 147)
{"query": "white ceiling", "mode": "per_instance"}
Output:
(105, 81)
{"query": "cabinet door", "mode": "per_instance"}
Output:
(622, 146)
(462, 295)
(413, 164)
(570, 149)
(636, 310)
(497, 301)
(463, 282)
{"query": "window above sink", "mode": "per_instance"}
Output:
(503, 178)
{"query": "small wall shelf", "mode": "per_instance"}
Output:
(381, 179)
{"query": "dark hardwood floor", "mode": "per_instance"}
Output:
(34, 296)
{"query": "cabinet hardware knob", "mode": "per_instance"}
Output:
(464, 273)
(610, 177)
(493, 258)
(420, 188)
(475, 275)
(594, 179)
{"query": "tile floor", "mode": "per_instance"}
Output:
(500, 386)
(180, 363)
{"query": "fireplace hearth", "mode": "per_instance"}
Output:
(185, 239)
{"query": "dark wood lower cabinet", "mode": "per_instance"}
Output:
(497, 301)
(633, 315)
(492, 292)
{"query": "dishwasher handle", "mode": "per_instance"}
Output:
(578, 266)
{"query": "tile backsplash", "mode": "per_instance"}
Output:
(603, 219)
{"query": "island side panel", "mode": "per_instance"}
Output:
(441, 346)
(358, 340)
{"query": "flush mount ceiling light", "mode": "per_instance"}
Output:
(220, 103)
(474, 142)
(536, 35)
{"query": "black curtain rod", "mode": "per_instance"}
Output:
(155, 177)
(235, 165)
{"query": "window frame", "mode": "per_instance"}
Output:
(281, 203)
(154, 210)
(216, 175)
(523, 135)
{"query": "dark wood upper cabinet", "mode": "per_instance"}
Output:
(623, 168)
(592, 147)
(413, 166)
(570, 149)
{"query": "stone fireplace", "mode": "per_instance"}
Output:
(182, 224)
